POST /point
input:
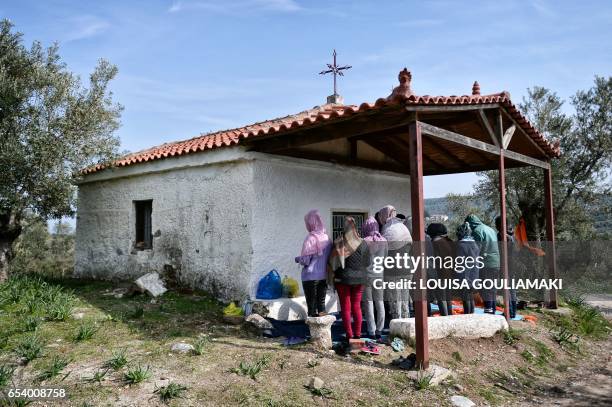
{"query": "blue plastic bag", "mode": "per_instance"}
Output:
(270, 286)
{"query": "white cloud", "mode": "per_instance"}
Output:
(85, 26)
(233, 6)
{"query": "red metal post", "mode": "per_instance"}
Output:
(550, 236)
(418, 235)
(502, 232)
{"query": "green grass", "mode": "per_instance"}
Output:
(252, 369)
(201, 345)
(170, 391)
(97, 377)
(457, 356)
(511, 336)
(85, 331)
(324, 392)
(137, 374)
(60, 307)
(423, 380)
(117, 361)
(58, 364)
(31, 323)
(137, 313)
(29, 348)
(6, 374)
(565, 338)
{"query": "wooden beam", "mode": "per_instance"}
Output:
(551, 252)
(478, 145)
(532, 141)
(342, 160)
(447, 153)
(525, 159)
(395, 155)
(450, 108)
(482, 118)
(418, 233)
(353, 149)
(507, 137)
(339, 128)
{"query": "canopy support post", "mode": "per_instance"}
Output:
(550, 236)
(418, 236)
(503, 231)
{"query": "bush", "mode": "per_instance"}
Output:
(60, 307)
(137, 374)
(117, 361)
(39, 252)
(57, 365)
(85, 331)
(29, 348)
(171, 391)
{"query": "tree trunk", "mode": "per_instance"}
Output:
(10, 229)
(5, 256)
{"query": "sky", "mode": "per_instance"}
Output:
(188, 67)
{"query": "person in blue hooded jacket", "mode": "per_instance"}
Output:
(486, 238)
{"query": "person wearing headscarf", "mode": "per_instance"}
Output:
(349, 263)
(373, 297)
(315, 252)
(511, 249)
(443, 249)
(467, 248)
(399, 243)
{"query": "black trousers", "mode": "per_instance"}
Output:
(315, 291)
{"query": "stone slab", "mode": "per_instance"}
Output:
(289, 309)
(470, 326)
(438, 374)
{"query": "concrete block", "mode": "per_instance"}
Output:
(470, 326)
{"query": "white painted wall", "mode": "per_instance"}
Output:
(287, 188)
(202, 215)
(223, 218)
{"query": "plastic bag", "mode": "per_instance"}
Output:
(291, 287)
(233, 310)
(270, 286)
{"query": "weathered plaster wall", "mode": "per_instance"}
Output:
(223, 218)
(201, 222)
(285, 189)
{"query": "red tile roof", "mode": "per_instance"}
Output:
(326, 113)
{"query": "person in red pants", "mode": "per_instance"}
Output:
(349, 262)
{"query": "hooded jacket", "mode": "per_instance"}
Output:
(486, 238)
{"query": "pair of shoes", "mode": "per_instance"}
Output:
(323, 314)
(371, 348)
(408, 363)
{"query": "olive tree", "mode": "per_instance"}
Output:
(51, 126)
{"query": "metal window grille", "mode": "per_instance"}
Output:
(338, 221)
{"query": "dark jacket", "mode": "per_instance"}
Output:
(355, 267)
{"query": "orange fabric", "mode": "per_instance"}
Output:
(520, 234)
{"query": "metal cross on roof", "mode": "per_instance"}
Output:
(336, 70)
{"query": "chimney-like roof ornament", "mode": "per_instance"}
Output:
(403, 91)
(476, 88)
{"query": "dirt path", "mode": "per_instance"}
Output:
(590, 384)
(603, 302)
